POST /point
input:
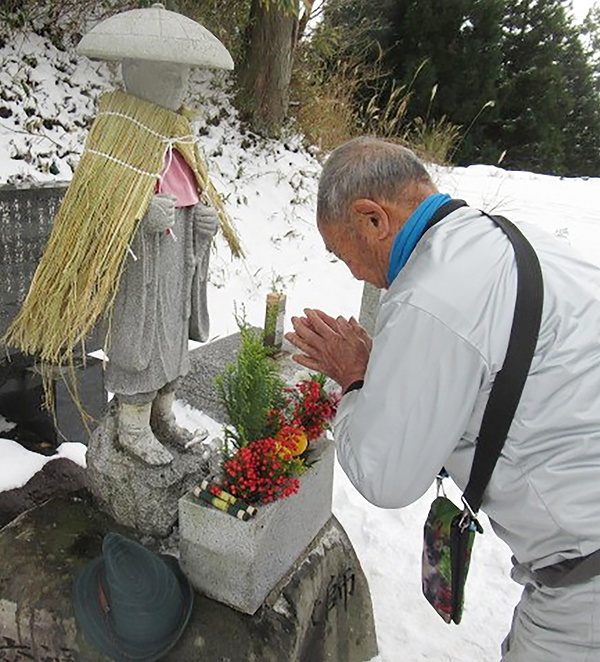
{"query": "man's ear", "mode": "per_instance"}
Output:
(372, 216)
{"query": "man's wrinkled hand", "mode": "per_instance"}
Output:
(337, 347)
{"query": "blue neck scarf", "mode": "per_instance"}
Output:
(407, 238)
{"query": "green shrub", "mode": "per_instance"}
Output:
(249, 389)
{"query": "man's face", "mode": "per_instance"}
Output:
(353, 243)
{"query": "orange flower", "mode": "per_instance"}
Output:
(293, 440)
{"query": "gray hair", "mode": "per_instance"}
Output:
(365, 168)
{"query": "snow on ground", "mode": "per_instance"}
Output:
(18, 465)
(269, 188)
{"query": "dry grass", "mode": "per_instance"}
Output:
(324, 111)
(435, 140)
(329, 112)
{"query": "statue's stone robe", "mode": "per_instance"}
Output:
(161, 302)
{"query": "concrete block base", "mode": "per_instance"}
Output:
(239, 563)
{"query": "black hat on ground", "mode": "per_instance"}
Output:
(132, 604)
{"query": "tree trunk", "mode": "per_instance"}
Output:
(264, 76)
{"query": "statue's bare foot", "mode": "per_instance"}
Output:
(198, 436)
(146, 447)
(164, 426)
(136, 437)
(167, 430)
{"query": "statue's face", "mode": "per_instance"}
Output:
(162, 83)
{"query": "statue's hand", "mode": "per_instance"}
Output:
(206, 221)
(161, 213)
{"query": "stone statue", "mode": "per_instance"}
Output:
(131, 242)
(161, 300)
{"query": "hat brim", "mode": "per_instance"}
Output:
(93, 621)
(155, 33)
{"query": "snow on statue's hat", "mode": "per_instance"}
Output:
(155, 34)
(130, 603)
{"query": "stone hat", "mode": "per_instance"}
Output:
(132, 604)
(155, 34)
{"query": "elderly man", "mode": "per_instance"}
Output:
(414, 396)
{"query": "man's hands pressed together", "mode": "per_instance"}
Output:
(337, 347)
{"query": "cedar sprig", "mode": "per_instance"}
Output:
(250, 390)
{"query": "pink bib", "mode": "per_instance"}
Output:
(178, 179)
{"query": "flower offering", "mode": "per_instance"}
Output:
(271, 425)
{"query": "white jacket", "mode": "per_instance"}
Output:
(440, 338)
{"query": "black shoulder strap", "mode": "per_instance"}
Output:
(510, 380)
(443, 211)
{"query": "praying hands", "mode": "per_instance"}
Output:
(337, 347)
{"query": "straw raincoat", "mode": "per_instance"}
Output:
(89, 257)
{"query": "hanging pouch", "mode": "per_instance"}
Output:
(448, 539)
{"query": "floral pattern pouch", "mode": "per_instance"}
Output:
(448, 540)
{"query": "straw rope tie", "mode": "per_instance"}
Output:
(116, 113)
(170, 142)
(121, 163)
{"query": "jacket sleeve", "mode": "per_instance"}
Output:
(394, 435)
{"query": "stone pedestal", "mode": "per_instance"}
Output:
(369, 307)
(239, 562)
(319, 612)
(22, 401)
(135, 494)
(26, 215)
